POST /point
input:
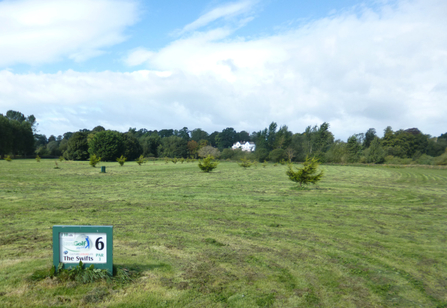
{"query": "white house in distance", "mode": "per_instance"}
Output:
(247, 146)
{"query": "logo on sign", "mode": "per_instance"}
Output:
(81, 242)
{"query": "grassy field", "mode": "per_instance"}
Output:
(366, 237)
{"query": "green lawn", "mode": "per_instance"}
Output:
(367, 237)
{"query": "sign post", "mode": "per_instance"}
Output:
(89, 244)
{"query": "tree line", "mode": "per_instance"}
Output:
(18, 137)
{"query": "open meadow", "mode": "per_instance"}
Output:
(366, 236)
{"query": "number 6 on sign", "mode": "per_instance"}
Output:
(99, 245)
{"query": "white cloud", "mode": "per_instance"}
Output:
(224, 11)
(354, 70)
(43, 31)
(138, 56)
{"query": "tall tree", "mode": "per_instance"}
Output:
(192, 147)
(150, 143)
(173, 146)
(5, 136)
(212, 138)
(369, 136)
(199, 134)
(132, 146)
(183, 133)
(353, 148)
(108, 144)
(226, 138)
(375, 153)
(283, 138)
(166, 133)
(77, 146)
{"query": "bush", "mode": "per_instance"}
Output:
(261, 154)
(208, 151)
(8, 158)
(441, 160)
(121, 160)
(245, 163)
(141, 160)
(94, 160)
(227, 154)
(277, 155)
(307, 174)
(208, 164)
(425, 159)
(38, 158)
(390, 159)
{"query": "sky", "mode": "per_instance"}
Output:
(213, 64)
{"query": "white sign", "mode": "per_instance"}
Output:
(85, 247)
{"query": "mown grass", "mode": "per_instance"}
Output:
(235, 237)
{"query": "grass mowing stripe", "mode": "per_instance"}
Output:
(231, 238)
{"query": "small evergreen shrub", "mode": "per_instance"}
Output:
(121, 160)
(94, 160)
(245, 163)
(8, 158)
(141, 160)
(307, 174)
(38, 158)
(208, 164)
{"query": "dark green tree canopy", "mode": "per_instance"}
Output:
(199, 134)
(77, 147)
(226, 138)
(173, 146)
(132, 146)
(108, 144)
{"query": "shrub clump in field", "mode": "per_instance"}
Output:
(38, 158)
(307, 174)
(141, 160)
(208, 164)
(94, 160)
(8, 158)
(442, 160)
(245, 163)
(121, 160)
